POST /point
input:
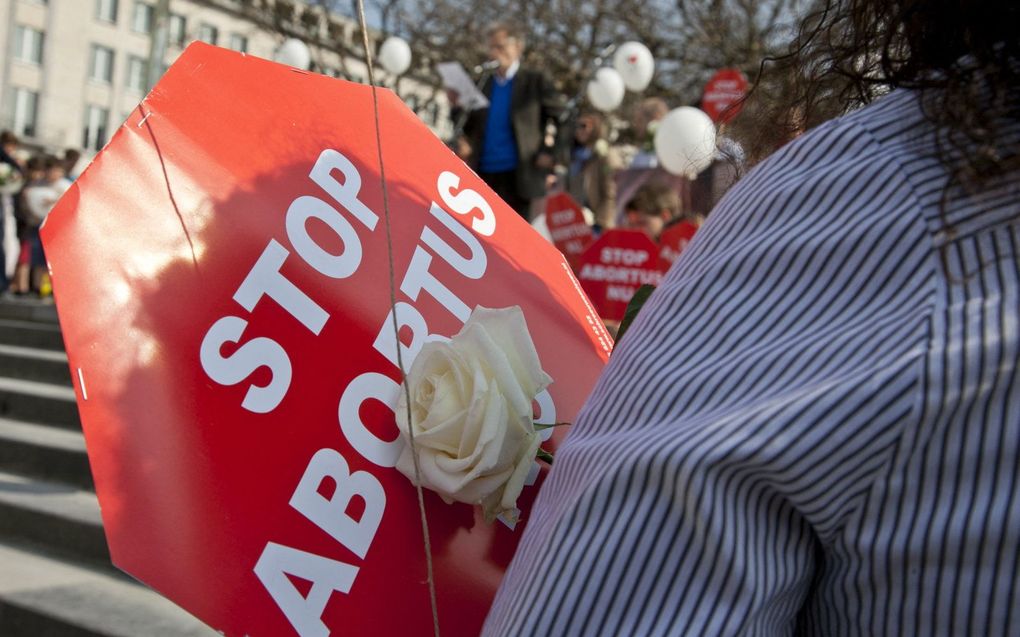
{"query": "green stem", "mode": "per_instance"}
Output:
(544, 456)
(540, 427)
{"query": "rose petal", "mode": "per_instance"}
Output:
(508, 328)
(476, 344)
(504, 501)
(442, 437)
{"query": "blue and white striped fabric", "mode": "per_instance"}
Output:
(814, 425)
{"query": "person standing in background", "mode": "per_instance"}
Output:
(589, 178)
(506, 142)
(8, 149)
(644, 121)
(14, 175)
(39, 199)
(654, 208)
(71, 158)
(644, 166)
(33, 175)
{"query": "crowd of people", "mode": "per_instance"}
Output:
(33, 185)
(529, 143)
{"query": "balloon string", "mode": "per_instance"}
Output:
(396, 329)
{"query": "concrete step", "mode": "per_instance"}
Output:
(45, 453)
(59, 520)
(31, 334)
(44, 403)
(31, 363)
(28, 308)
(43, 597)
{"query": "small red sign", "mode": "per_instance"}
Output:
(674, 239)
(615, 266)
(726, 88)
(570, 233)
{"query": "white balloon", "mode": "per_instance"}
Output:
(395, 55)
(605, 90)
(294, 52)
(685, 141)
(635, 64)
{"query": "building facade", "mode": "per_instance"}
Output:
(75, 69)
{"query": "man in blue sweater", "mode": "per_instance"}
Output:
(507, 141)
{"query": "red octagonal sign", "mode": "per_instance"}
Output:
(615, 266)
(221, 277)
(570, 233)
(722, 93)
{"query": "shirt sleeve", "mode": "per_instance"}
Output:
(755, 402)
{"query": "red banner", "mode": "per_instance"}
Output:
(615, 266)
(674, 239)
(221, 276)
(726, 88)
(570, 233)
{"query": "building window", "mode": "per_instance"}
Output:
(208, 33)
(239, 43)
(25, 105)
(136, 73)
(106, 10)
(101, 65)
(141, 19)
(178, 29)
(96, 118)
(28, 45)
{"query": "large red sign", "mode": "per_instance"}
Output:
(221, 274)
(674, 240)
(570, 233)
(615, 266)
(726, 88)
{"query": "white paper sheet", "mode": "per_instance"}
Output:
(456, 78)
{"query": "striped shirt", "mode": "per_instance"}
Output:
(813, 426)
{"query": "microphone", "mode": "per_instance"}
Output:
(491, 65)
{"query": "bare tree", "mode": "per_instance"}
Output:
(731, 34)
(690, 39)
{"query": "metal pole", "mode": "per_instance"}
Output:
(158, 43)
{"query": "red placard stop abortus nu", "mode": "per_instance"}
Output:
(220, 272)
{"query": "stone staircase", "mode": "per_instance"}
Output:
(56, 578)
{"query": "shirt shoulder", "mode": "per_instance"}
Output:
(839, 175)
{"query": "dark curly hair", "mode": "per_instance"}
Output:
(962, 57)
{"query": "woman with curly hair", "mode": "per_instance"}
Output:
(813, 426)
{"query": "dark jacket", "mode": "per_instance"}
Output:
(7, 159)
(534, 103)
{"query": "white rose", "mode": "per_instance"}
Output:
(471, 405)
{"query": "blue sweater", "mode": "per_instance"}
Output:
(499, 148)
